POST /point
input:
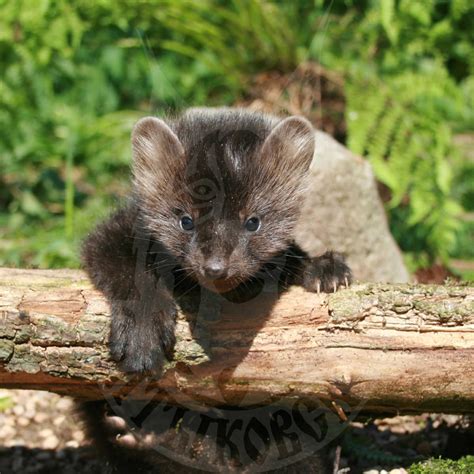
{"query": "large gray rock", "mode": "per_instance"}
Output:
(343, 212)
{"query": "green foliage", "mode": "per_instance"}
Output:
(5, 403)
(363, 448)
(444, 466)
(389, 36)
(242, 37)
(416, 167)
(75, 77)
(408, 67)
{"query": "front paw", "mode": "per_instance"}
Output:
(327, 273)
(140, 355)
(142, 347)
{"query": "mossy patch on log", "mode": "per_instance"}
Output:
(6, 350)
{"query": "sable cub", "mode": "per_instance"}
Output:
(216, 196)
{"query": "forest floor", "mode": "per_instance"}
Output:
(40, 433)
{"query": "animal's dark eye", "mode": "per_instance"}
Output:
(252, 224)
(186, 223)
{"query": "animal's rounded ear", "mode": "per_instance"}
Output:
(154, 146)
(290, 144)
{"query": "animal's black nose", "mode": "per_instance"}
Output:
(215, 269)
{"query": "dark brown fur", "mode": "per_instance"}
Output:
(219, 167)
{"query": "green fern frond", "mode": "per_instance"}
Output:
(397, 125)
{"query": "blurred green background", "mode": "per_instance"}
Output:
(392, 79)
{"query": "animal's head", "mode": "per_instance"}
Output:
(222, 192)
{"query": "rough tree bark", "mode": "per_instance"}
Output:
(383, 348)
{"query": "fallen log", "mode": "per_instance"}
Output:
(384, 348)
